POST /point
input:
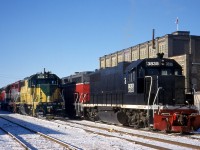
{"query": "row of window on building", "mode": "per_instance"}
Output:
(133, 53)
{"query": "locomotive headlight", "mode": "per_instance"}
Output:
(48, 98)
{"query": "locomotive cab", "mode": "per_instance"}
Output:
(155, 81)
(158, 84)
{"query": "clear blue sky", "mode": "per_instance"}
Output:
(65, 36)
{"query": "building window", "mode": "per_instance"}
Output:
(114, 61)
(127, 56)
(103, 63)
(107, 62)
(120, 58)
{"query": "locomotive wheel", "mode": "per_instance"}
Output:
(39, 113)
(91, 114)
(137, 119)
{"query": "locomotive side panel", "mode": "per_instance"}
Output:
(107, 85)
(68, 91)
(173, 91)
(76, 92)
(75, 95)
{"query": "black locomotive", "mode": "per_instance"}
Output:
(142, 93)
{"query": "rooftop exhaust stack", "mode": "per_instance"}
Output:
(153, 40)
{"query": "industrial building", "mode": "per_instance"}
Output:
(179, 45)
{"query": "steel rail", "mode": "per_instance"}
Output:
(142, 136)
(66, 145)
(15, 138)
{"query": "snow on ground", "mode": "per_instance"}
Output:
(75, 136)
(82, 139)
(170, 136)
(8, 143)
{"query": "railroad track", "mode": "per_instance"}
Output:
(31, 139)
(124, 135)
(21, 144)
(120, 133)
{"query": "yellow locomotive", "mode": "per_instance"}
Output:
(40, 95)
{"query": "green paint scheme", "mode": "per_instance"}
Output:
(48, 89)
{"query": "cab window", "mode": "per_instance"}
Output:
(152, 72)
(177, 72)
(131, 76)
(166, 72)
(141, 73)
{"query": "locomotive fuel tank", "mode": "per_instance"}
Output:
(113, 117)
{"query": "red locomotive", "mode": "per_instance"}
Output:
(9, 95)
(5, 97)
(76, 92)
(14, 93)
(2, 96)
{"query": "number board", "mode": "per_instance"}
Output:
(131, 88)
(41, 76)
(152, 63)
(157, 64)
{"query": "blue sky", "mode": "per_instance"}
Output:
(66, 36)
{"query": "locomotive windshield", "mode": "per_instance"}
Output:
(46, 81)
(164, 71)
(35, 82)
(152, 72)
(178, 72)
